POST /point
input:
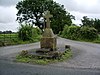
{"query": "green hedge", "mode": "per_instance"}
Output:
(79, 33)
(88, 33)
(71, 32)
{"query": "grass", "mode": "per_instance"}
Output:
(6, 37)
(94, 41)
(12, 39)
(84, 40)
(43, 61)
(97, 40)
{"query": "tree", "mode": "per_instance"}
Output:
(91, 22)
(31, 11)
(97, 24)
(87, 21)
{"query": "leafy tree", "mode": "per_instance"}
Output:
(87, 21)
(31, 11)
(91, 23)
(97, 24)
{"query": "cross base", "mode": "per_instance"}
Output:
(48, 43)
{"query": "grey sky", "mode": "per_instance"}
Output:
(8, 2)
(78, 8)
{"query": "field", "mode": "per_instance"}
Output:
(12, 39)
(8, 37)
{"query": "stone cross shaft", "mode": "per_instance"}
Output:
(47, 15)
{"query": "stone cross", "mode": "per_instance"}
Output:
(47, 15)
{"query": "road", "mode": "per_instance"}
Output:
(85, 60)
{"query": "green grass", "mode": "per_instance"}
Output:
(44, 61)
(84, 40)
(94, 41)
(12, 39)
(97, 40)
(8, 37)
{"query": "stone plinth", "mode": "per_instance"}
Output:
(48, 40)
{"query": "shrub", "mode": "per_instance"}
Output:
(80, 33)
(88, 33)
(71, 32)
(27, 32)
(36, 32)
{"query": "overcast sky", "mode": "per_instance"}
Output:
(78, 8)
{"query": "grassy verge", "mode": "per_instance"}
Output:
(12, 39)
(43, 61)
(84, 40)
(97, 40)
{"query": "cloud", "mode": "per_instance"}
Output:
(84, 6)
(7, 14)
(8, 2)
(8, 18)
(9, 26)
(78, 8)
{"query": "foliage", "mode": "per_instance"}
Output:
(91, 23)
(31, 11)
(87, 21)
(88, 33)
(71, 32)
(80, 33)
(13, 39)
(97, 40)
(97, 24)
(43, 61)
(27, 32)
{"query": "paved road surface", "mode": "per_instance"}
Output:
(86, 55)
(85, 60)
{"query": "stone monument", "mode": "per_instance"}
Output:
(48, 43)
(48, 40)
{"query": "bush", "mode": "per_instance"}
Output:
(27, 32)
(80, 33)
(88, 33)
(71, 32)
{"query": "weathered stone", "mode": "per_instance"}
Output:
(47, 16)
(48, 39)
(48, 33)
(48, 42)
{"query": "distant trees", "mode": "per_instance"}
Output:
(6, 32)
(91, 22)
(31, 12)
